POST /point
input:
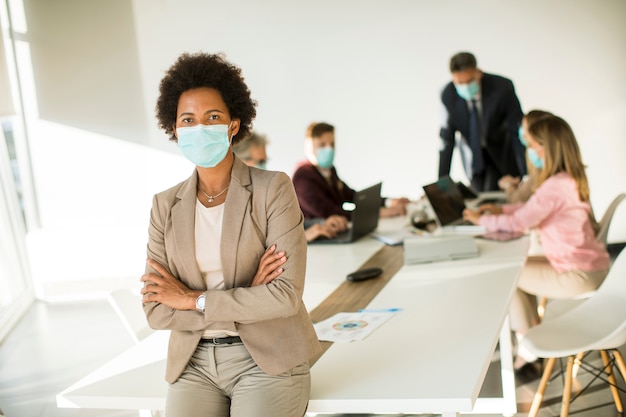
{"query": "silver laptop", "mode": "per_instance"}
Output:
(364, 217)
(448, 204)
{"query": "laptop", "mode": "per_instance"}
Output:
(469, 193)
(448, 204)
(364, 217)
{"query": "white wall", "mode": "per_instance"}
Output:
(95, 195)
(86, 67)
(371, 68)
(374, 70)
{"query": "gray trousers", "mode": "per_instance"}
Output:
(225, 381)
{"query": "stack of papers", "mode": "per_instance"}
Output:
(350, 327)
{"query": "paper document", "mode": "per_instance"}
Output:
(349, 327)
(397, 237)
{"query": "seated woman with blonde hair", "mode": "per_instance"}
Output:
(575, 261)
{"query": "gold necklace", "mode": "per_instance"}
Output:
(213, 197)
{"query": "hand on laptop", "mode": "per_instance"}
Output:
(336, 223)
(329, 228)
(474, 215)
(508, 182)
(489, 208)
(471, 215)
(395, 207)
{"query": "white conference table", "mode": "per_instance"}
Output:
(431, 357)
(135, 378)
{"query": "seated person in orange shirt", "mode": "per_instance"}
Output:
(253, 152)
(321, 193)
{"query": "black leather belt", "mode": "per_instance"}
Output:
(221, 340)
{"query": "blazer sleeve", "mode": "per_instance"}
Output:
(514, 117)
(446, 134)
(283, 296)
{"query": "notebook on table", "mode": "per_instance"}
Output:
(448, 204)
(364, 217)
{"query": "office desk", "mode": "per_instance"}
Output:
(431, 357)
(135, 378)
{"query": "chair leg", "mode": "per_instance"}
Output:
(619, 360)
(612, 381)
(541, 308)
(567, 387)
(577, 362)
(541, 389)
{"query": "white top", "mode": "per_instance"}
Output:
(208, 235)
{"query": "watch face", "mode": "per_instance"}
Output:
(200, 302)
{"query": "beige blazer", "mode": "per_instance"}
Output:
(261, 209)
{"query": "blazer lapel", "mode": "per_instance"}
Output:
(183, 216)
(237, 202)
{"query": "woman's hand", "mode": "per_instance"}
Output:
(165, 288)
(489, 208)
(471, 215)
(270, 266)
(508, 183)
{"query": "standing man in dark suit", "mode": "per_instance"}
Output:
(483, 111)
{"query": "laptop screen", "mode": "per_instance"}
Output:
(446, 200)
(364, 217)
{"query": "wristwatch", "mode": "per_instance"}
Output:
(200, 302)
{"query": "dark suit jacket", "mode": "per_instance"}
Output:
(501, 117)
(261, 209)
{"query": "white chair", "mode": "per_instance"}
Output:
(598, 324)
(128, 307)
(605, 222)
(602, 235)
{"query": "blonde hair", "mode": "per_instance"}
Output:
(534, 115)
(561, 152)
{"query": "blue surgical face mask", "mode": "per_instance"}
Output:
(467, 91)
(204, 145)
(534, 158)
(325, 157)
(520, 134)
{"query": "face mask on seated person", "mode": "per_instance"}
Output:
(204, 145)
(520, 135)
(534, 158)
(325, 157)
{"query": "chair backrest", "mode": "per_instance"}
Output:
(615, 282)
(603, 233)
(128, 307)
(603, 314)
